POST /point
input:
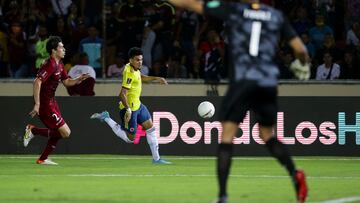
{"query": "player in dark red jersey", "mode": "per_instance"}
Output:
(50, 74)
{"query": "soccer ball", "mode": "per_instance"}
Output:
(206, 109)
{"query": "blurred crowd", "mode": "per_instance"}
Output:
(176, 43)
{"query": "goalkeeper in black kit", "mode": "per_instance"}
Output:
(253, 31)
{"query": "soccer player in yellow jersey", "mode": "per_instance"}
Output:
(132, 111)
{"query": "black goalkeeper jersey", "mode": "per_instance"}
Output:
(253, 32)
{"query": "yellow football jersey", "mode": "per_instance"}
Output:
(132, 82)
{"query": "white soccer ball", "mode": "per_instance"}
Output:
(206, 109)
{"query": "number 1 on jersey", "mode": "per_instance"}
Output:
(255, 38)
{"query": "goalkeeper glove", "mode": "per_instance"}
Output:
(301, 71)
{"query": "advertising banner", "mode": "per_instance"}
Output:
(309, 126)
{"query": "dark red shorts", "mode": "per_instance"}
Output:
(50, 115)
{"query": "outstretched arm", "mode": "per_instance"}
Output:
(300, 50)
(71, 82)
(146, 78)
(301, 66)
(192, 5)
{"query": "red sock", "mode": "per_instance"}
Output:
(45, 132)
(51, 145)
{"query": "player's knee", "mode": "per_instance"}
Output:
(66, 134)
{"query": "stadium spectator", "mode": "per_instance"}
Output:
(147, 45)
(13, 12)
(159, 69)
(175, 67)
(77, 34)
(144, 70)
(92, 11)
(61, 7)
(113, 34)
(254, 82)
(163, 24)
(4, 55)
(46, 107)
(328, 70)
(40, 46)
(132, 22)
(86, 87)
(164, 20)
(17, 51)
(350, 68)
(62, 30)
(132, 111)
(353, 34)
(302, 23)
(352, 9)
(330, 46)
(318, 32)
(196, 67)
(188, 30)
(284, 66)
(309, 45)
(212, 53)
(92, 46)
(115, 70)
(73, 16)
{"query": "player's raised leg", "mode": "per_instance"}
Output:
(28, 136)
(116, 128)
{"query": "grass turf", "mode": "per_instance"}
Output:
(133, 179)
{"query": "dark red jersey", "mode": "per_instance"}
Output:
(51, 74)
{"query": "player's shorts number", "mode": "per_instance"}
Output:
(56, 117)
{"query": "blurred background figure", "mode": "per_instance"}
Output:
(4, 55)
(115, 70)
(17, 51)
(328, 70)
(212, 51)
(86, 87)
(40, 46)
(92, 46)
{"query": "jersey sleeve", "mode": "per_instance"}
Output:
(127, 79)
(217, 9)
(46, 70)
(288, 31)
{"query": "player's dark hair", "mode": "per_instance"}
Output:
(135, 51)
(52, 43)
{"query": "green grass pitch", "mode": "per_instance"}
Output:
(133, 179)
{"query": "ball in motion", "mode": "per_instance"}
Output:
(206, 109)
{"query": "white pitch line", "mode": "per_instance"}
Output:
(179, 158)
(341, 200)
(179, 175)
